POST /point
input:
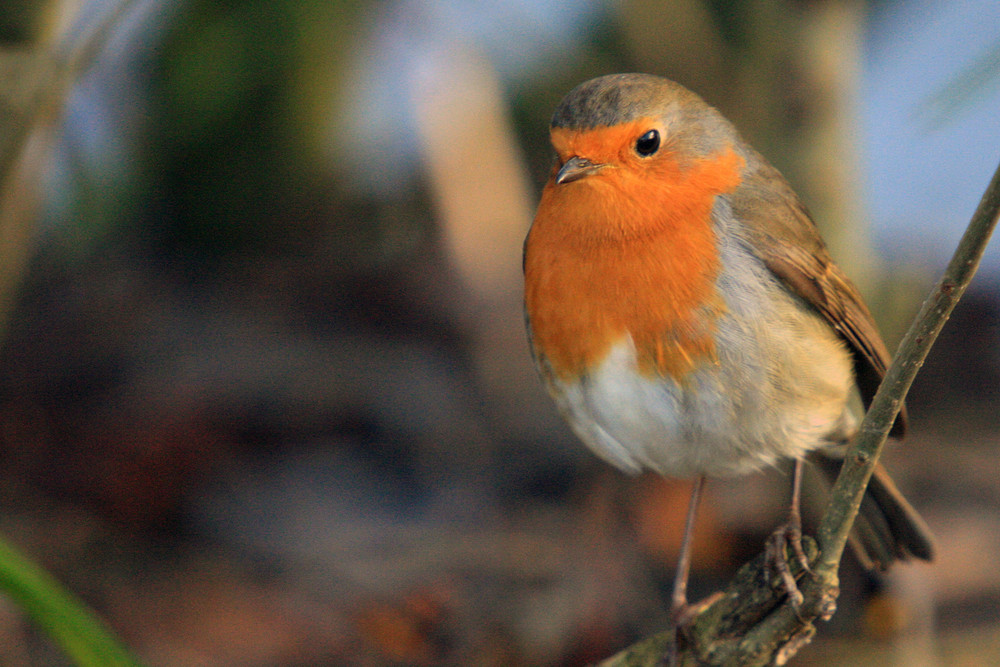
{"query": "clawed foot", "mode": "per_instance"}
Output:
(788, 535)
(686, 613)
(680, 618)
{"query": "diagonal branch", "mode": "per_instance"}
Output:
(864, 453)
(752, 622)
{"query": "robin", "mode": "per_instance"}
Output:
(685, 314)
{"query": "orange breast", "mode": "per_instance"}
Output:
(628, 251)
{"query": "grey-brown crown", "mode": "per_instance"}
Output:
(619, 98)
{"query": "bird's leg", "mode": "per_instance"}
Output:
(679, 603)
(790, 534)
(681, 613)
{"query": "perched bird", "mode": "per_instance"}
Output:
(685, 314)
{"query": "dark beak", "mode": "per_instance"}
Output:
(576, 168)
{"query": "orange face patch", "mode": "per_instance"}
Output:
(628, 250)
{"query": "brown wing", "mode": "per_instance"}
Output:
(783, 235)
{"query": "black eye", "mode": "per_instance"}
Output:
(648, 143)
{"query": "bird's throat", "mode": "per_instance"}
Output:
(597, 275)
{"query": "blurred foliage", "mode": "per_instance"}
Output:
(228, 167)
(73, 626)
(36, 77)
(223, 295)
(732, 20)
(229, 155)
(22, 21)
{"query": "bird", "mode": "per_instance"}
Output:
(686, 316)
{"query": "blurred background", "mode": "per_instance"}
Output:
(265, 397)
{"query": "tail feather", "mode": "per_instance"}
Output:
(887, 528)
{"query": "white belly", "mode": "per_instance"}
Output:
(780, 387)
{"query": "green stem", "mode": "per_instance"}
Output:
(863, 455)
(73, 626)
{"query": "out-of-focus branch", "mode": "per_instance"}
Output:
(36, 75)
(35, 78)
(863, 455)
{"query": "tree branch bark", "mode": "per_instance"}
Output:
(752, 623)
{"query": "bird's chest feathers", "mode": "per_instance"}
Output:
(659, 291)
(628, 253)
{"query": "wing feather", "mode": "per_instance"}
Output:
(781, 232)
